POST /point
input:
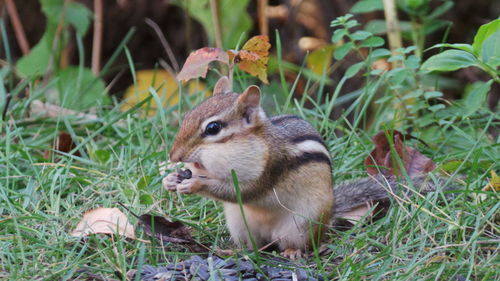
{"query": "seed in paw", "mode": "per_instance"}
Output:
(183, 175)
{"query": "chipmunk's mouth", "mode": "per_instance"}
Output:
(198, 165)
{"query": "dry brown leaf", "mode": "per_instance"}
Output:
(253, 56)
(167, 231)
(105, 221)
(197, 63)
(381, 64)
(381, 159)
(45, 109)
(356, 214)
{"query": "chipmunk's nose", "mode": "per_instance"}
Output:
(176, 155)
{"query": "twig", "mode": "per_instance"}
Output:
(262, 15)
(393, 30)
(8, 98)
(97, 37)
(18, 27)
(164, 43)
(214, 8)
(54, 111)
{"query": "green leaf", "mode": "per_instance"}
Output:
(79, 89)
(366, 6)
(343, 50)
(433, 25)
(476, 97)
(102, 155)
(74, 13)
(52, 9)
(413, 7)
(79, 16)
(379, 53)
(372, 42)
(436, 107)
(143, 182)
(36, 62)
(398, 75)
(449, 60)
(433, 94)
(338, 35)
(234, 18)
(379, 26)
(354, 69)
(413, 94)
(459, 46)
(490, 51)
(351, 24)
(361, 35)
(340, 20)
(146, 199)
(484, 32)
(445, 7)
(412, 62)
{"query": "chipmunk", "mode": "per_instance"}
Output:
(282, 164)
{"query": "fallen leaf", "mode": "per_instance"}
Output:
(369, 210)
(167, 231)
(63, 143)
(492, 185)
(381, 159)
(253, 56)
(166, 87)
(196, 64)
(105, 221)
(356, 214)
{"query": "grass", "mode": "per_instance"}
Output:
(42, 200)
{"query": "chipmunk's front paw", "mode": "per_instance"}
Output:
(190, 186)
(170, 182)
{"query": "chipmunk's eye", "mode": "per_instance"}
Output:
(213, 128)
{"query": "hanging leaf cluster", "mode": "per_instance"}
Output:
(252, 58)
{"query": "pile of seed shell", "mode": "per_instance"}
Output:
(214, 268)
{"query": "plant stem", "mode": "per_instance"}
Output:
(393, 29)
(262, 15)
(97, 37)
(214, 7)
(18, 26)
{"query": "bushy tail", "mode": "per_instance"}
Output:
(352, 194)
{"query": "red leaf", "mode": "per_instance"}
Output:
(196, 64)
(381, 159)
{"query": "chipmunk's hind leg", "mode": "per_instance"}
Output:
(238, 229)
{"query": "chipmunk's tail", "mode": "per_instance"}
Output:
(379, 189)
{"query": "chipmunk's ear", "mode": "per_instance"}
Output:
(222, 86)
(250, 97)
(249, 105)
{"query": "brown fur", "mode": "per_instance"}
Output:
(286, 188)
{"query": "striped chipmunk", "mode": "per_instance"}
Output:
(282, 165)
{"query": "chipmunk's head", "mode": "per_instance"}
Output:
(214, 126)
